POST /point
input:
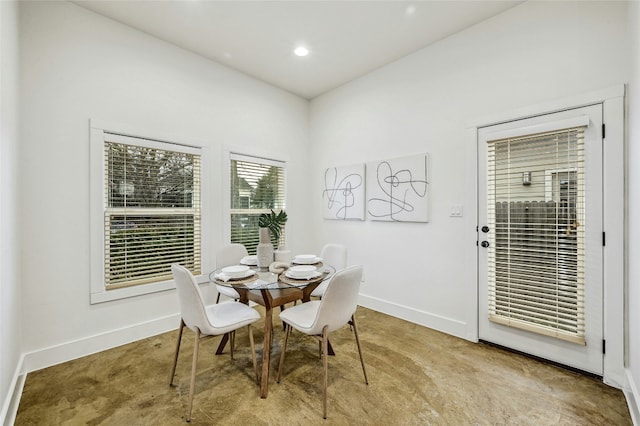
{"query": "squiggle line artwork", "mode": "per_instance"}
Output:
(343, 192)
(398, 189)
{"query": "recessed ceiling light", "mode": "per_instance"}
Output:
(301, 51)
(410, 10)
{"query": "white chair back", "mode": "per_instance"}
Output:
(191, 302)
(340, 300)
(231, 254)
(334, 255)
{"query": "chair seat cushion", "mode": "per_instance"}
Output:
(302, 317)
(320, 289)
(227, 291)
(228, 316)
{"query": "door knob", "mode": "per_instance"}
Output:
(485, 229)
(485, 244)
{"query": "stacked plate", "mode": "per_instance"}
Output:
(306, 259)
(301, 272)
(237, 271)
(249, 260)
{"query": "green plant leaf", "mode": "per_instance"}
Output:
(274, 222)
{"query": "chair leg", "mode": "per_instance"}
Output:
(284, 325)
(325, 366)
(253, 352)
(355, 330)
(218, 299)
(232, 341)
(193, 374)
(284, 348)
(175, 357)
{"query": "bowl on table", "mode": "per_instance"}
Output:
(236, 271)
(306, 259)
(301, 271)
(251, 260)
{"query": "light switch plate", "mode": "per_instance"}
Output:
(455, 211)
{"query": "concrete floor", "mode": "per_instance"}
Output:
(417, 376)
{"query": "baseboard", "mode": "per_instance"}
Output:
(67, 351)
(633, 398)
(436, 322)
(12, 400)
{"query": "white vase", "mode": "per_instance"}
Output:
(283, 255)
(265, 249)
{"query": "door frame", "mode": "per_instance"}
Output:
(614, 212)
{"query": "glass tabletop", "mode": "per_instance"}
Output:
(262, 278)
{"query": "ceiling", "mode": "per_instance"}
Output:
(346, 39)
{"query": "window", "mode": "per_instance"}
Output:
(149, 217)
(257, 186)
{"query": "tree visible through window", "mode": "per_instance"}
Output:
(152, 212)
(257, 186)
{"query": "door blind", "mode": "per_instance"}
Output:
(537, 225)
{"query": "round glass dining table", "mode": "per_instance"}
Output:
(270, 289)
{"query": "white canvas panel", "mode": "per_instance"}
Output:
(397, 189)
(343, 194)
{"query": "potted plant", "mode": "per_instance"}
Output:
(273, 222)
(270, 225)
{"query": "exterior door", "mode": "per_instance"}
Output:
(540, 236)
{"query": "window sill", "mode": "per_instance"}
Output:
(139, 290)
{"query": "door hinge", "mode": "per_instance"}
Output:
(604, 345)
(604, 239)
(603, 133)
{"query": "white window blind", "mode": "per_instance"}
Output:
(257, 186)
(537, 225)
(152, 214)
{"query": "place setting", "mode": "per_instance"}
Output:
(251, 260)
(304, 268)
(302, 272)
(237, 274)
(306, 259)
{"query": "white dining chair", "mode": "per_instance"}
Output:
(231, 254)
(318, 318)
(207, 321)
(334, 255)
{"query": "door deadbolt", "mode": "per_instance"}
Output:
(485, 244)
(485, 229)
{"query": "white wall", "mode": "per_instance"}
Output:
(633, 241)
(532, 54)
(77, 65)
(10, 340)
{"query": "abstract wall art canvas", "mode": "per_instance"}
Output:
(398, 189)
(343, 196)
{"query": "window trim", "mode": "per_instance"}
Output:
(273, 158)
(98, 290)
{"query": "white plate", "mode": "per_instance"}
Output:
(235, 271)
(310, 275)
(302, 271)
(247, 274)
(306, 259)
(249, 260)
(224, 277)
